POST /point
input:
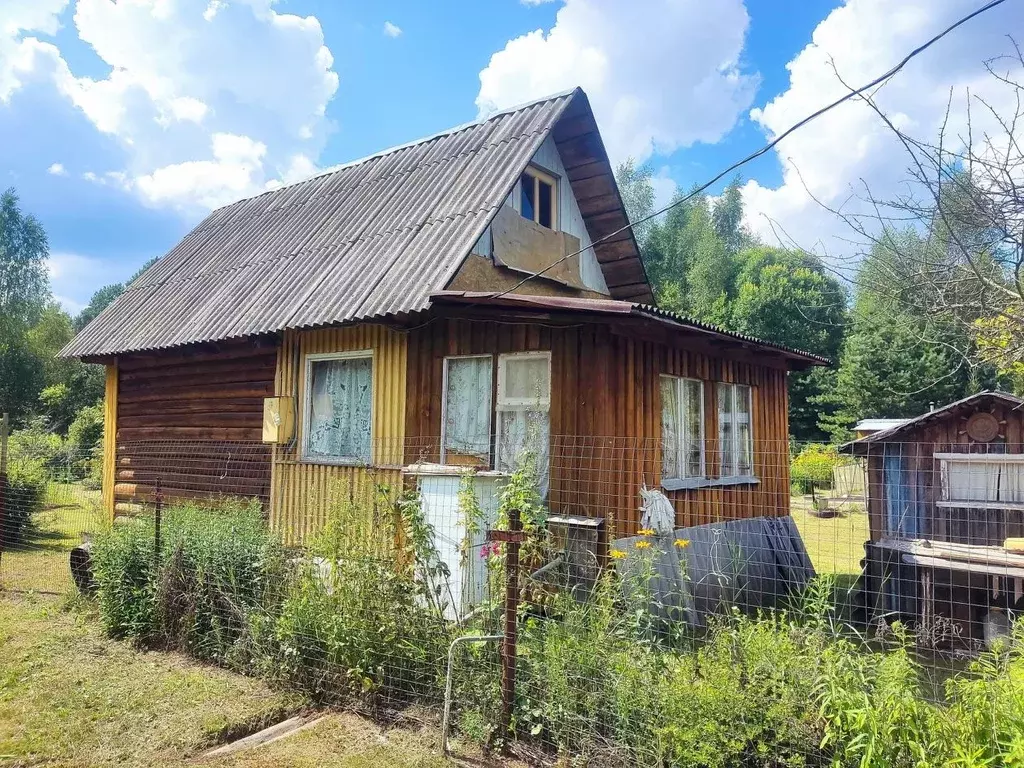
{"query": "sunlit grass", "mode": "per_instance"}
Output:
(836, 544)
(40, 563)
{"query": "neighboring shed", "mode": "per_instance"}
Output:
(945, 491)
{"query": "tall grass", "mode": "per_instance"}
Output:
(359, 615)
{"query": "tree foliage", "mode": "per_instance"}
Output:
(703, 263)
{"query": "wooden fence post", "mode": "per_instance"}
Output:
(5, 424)
(512, 539)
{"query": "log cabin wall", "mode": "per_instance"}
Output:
(606, 417)
(303, 491)
(192, 419)
(923, 477)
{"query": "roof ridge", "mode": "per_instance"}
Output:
(406, 145)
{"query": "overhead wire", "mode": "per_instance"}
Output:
(768, 146)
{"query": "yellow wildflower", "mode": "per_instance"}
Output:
(645, 532)
(682, 543)
(643, 544)
(617, 554)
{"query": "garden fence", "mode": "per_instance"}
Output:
(715, 608)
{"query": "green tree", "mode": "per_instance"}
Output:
(787, 297)
(24, 291)
(637, 195)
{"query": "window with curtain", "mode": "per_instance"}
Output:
(466, 411)
(735, 436)
(986, 478)
(523, 412)
(682, 428)
(339, 397)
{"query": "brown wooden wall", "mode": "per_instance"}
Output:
(606, 417)
(947, 434)
(192, 418)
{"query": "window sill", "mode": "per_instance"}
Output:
(691, 483)
(328, 461)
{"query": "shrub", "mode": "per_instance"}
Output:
(358, 620)
(218, 574)
(124, 572)
(812, 467)
(23, 497)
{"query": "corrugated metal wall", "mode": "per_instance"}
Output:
(301, 492)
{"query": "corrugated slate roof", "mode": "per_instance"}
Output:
(371, 239)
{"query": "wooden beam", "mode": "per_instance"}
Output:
(109, 439)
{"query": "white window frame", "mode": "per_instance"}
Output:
(998, 460)
(734, 388)
(502, 403)
(307, 410)
(549, 178)
(521, 403)
(678, 386)
(444, 402)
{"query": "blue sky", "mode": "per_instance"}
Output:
(123, 124)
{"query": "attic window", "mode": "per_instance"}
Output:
(537, 197)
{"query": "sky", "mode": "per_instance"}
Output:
(122, 124)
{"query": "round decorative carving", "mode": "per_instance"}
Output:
(982, 427)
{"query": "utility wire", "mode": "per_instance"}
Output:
(770, 145)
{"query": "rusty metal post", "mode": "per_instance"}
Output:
(157, 514)
(508, 646)
(5, 424)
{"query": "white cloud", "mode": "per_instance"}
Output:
(233, 171)
(660, 74)
(392, 30)
(849, 146)
(57, 169)
(74, 277)
(183, 75)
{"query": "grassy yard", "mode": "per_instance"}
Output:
(40, 564)
(70, 697)
(836, 545)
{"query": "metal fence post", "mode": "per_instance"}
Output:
(157, 513)
(5, 424)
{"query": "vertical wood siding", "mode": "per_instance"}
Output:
(606, 417)
(109, 438)
(922, 477)
(302, 492)
(191, 418)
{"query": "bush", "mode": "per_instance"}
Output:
(812, 467)
(357, 621)
(24, 495)
(219, 572)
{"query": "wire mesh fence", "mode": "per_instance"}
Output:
(812, 605)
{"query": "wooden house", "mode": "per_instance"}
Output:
(945, 491)
(386, 320)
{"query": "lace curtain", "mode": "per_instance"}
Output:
(340, 409)
(524, 424)
(735, 439)
(682, 428)
(467, 408)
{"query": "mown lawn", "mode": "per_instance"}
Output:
(71, 511)
(71, 697)
(836, 545)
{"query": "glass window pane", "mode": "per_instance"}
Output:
(744, 437)
(467, 406)
(526, 199)
(694, 427)
(670, 423)
(341, 401)
(525, 380)
(524, 437)
(726, 447)
(545, 204)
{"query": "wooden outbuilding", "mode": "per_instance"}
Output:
(457, 302)
(945, 493)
